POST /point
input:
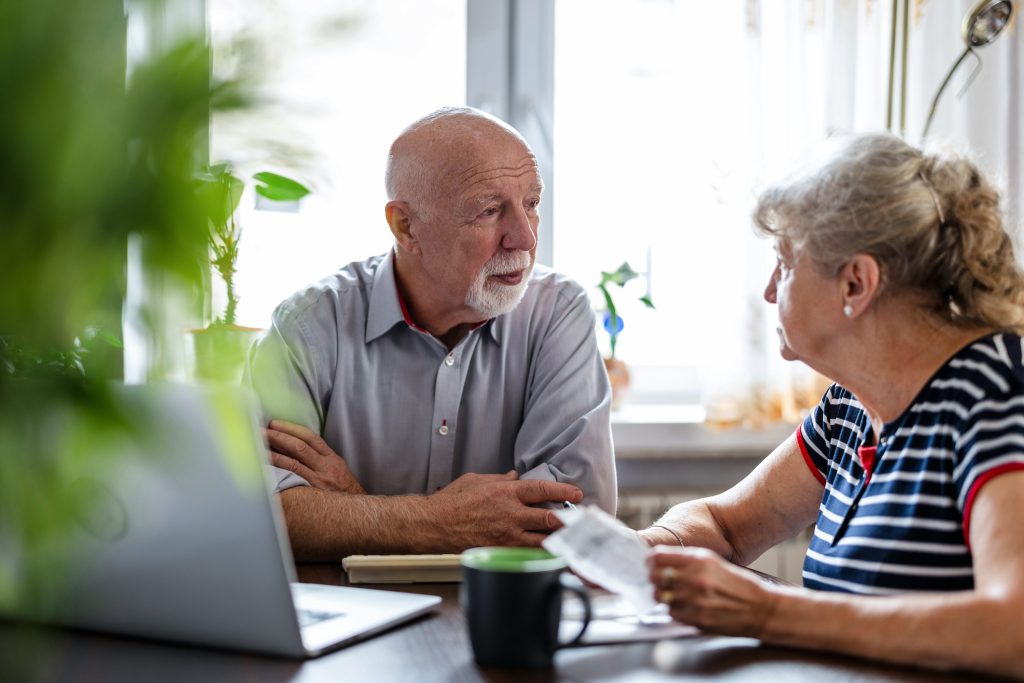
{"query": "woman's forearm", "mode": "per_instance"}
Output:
(695, 523)
(965, 630)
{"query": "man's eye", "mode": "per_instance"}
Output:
(532, 204)
(489, 212)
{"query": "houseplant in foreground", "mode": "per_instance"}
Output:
(618, 371)
(99, 155)
(218, 350)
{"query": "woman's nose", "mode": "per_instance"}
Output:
(769, 291)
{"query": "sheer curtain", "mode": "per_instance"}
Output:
(839, 53)
(671, 115)
(987, 120)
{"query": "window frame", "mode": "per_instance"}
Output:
(510, 67)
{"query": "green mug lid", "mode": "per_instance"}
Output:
(511, 560)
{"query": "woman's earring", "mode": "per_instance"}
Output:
(848, 310)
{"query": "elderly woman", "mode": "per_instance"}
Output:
(896, 279)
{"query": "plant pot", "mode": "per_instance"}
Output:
(618, 375)
(217, 353)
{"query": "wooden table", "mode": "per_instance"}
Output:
(433, 648)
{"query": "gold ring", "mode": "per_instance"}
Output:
(668, 576)
(666, 597)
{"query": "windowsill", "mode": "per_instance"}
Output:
(680, 431)
(670, 448)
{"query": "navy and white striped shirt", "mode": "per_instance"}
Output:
(895, 517)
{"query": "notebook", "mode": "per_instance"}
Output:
(182, 540)
(445, 568)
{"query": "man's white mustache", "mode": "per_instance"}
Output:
(503, 264)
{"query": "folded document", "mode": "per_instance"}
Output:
(604, 551)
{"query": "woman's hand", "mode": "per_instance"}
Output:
(703, 590)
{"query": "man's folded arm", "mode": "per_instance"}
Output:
(474, 510)
(325, 525)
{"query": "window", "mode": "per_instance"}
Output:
(658, 140)
(341, 79)
(655, 123)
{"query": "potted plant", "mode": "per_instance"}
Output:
(218, 350)
(618, 371)
(99, 156)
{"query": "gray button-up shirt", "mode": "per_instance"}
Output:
(526, 391)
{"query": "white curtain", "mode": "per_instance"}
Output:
(840, 48)
(823, 66)
(670, 115)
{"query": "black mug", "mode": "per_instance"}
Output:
(512, 600)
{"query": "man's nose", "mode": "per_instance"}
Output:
(521, 231)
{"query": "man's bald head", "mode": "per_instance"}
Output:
(431, 154)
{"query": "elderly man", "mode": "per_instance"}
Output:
(447, 394)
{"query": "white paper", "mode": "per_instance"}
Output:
(603, 550)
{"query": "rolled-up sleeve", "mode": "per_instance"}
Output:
(566, 431)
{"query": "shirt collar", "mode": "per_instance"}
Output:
(387, 309)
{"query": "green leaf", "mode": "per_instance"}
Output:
(219, 170)
(278, 188)
(220, 193)
(621, 276)
(647, 301)
(233, 188)
(608, 302)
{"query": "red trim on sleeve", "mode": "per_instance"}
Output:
(807, 456)
(976, 486)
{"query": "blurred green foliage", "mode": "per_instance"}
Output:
(89, 154)
(221, 191)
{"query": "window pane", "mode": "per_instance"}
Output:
(341, 79)
(659, 146)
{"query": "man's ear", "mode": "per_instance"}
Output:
(400, 221)
(859, 280)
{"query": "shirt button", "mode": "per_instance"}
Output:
(443, 430)
(449, 360)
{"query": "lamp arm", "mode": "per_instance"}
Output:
(974, 74)
(938, 94)
(892, 67)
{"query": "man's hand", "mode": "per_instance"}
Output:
(298, 449)
(494, 509)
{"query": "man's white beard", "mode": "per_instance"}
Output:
(491, 299)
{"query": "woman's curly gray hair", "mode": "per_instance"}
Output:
(932, 223)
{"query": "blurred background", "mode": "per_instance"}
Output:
(656, 122)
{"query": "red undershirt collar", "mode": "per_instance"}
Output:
(412, 323)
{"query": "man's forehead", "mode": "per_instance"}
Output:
(494, 174)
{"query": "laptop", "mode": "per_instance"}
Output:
(175, 535)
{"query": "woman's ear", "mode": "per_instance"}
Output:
(400, 221)
(859, 281)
